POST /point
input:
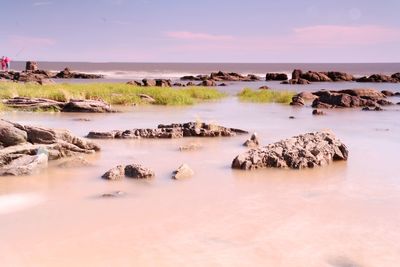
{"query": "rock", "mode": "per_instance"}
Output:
(307, 95)
(318, 112)
(337, 76)
(116, 173)
(251, 77)
(10, 135)
(377, 78)
(298, 81)
(387, 93)
(221, 76)
(222, 84)
(296, 74)
(252, 141)
(135, 83)
(72, 163)
(297, 101)
(395, 76)
(179, 85)
(176, 130)
(302, 151)
(146, 98)
(183, 172)
(190, 78)
(190, 84)
(138, 172)
(349, 98)
(113, 194)
(149, 82)
(292, 117)
(24, 165)
(208, 83)
(163, 83)
(377, 108)
(276, 77)
(68, 74)
(314, 76)
(31, 66)
(397, 94)
(263, 87)
(33, 104)
(87, 105)
(46, 81)
(190, 147)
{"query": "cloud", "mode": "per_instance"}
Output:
(43, 3)
(27, 41)
(186, 35)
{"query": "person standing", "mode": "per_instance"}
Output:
(7, 60)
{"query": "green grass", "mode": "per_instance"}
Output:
(265, 96)
(112, 93)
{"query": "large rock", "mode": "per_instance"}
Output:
(24, 165)
(337, 76)
(378, 78)
(149, 82)
(10, 135)
(302, 151)
(32, 141)
(176, 130)
(138, 172)
(34, 104)
(163, 83)
(296, 74)
(276, 77)
(87, 105)
(349, 98)
(314, 76)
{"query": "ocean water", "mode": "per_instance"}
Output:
(176, 70)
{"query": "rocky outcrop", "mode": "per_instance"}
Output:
(387, 93)
(337, 76)
(349, 98)
(252, 141)
(299, 77)
(183, 172)
(307, 96)
(163, 83)
(177, 130)
(379, 78)
(68, 74)
(276, 77)
(137, 171)
(26, 148)
(221, 76)
(135, 83)
(302, 151)
(207, 83)
(314, 76)
(87, 105)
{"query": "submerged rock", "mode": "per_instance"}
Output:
(176, 130)
(33, 104)
(190, 147)
(318, 112)
(138, 172)
(183, 172)
(302, 151)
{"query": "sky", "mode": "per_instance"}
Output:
(201, 30)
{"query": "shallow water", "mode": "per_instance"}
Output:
(345, 214)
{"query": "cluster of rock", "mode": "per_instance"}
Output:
(300, 77)
(33, 74)
(176, 130)
(138, 171)
(73, 105)
(25, 149)
(347, 98)
(152, 83)
(302, 151)
(135, 171)
(209, 80)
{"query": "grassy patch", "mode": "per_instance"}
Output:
(113, 93)
(265, 96)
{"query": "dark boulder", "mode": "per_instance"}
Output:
(276, 77)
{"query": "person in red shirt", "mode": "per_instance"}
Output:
(7, 60)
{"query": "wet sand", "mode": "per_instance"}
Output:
(345, 214)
